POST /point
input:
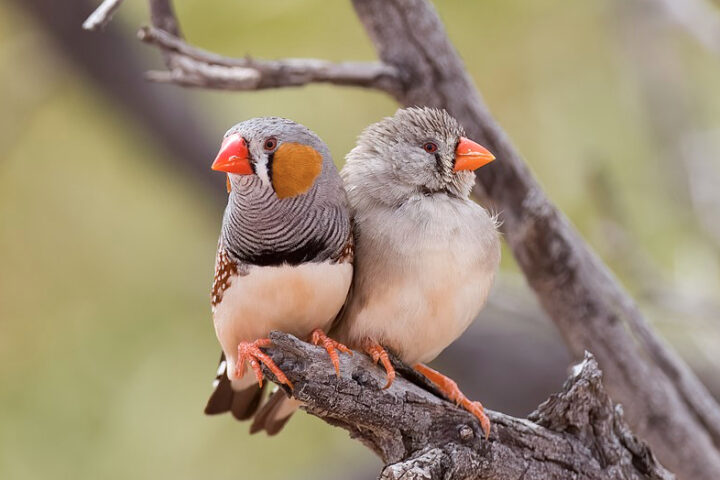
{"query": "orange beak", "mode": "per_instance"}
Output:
(471, 156)
(233, 156)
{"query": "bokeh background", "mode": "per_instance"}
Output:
(109, 215)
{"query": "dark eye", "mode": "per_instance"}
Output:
(270, 144)
(430, 147)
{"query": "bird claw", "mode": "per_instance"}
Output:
(478, 410)
(378, 353)
(453, 393)
(250, 352)
(318, 337)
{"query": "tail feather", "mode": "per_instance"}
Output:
(246, 402)
(275, 413)
(221, 398)
(241, 400)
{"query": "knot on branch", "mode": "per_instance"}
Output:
(450, 461)
(582, 406)
(585, 410)
(577, 433)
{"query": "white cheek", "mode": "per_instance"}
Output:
(261, 169)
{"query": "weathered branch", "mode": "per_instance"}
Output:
(102, 15)
(194, 67)
(576, 434)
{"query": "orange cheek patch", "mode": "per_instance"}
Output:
(294, 169)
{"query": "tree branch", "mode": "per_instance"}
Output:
(194, 67)
(577, 433)
(102, 15)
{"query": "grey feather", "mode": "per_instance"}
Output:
(425, 254)
(260, 228)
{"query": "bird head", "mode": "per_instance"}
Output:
(416, 151)
(279, 153)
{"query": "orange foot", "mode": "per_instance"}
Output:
(250, 352)
(377, 352)
(450, 388)
(318, 337)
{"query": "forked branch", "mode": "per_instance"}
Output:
(577, 433)
(193, 67)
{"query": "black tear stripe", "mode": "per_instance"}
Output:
(455, 150)
(270, 158)
(438, 162)
(307, 252)
(251, 161)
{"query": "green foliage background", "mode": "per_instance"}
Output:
(106, 344)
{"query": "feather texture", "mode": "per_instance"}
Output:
(284, 259)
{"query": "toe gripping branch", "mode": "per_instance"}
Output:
(453, 393)
(318, 337)
(250, 352)
(378, 353)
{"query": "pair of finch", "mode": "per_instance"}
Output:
(389, 254)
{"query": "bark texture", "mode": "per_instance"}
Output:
(576, 434)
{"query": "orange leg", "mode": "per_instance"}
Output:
(318, 337)
(250, 352)
(377, 352)
(450, 388)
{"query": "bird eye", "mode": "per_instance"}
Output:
(430, 147)
(270, 144)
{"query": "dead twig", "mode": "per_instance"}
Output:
(102, 15)
(193, 67)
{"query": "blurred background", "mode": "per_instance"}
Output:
(109, 214)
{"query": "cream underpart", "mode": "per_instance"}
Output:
(291, 298)
(422, 275)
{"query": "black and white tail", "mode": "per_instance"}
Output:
(240, 397)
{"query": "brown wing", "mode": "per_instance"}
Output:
(225, 269)
(241, 403)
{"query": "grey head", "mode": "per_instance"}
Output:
(283, 155)
(286, 199)
(414, 152)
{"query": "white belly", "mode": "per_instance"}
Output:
(294, 299)
(419, 314)
(423, 273)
